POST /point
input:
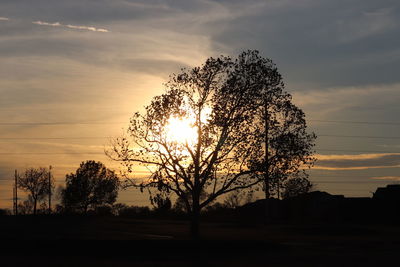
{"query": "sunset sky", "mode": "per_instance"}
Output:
(72, 73)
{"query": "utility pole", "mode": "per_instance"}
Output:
(50, 189)
(266, 173)
(15, 191)
(13, 199)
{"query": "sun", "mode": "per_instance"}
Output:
(181, 130)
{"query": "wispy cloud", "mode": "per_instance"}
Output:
(320, 102)
(77, 27)
(55, 24)
(93, 29)
(358, 162)
(355, 156)
(4, 18)
(387, 178)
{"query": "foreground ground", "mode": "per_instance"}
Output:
(95, 241)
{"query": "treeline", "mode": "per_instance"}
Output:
(91, 187)
(93, 190)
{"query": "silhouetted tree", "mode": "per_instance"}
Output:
(287, 151)
(180, 206)
(296, 186)
(25, 207)
(36, 183)
(4, 212)
(161, 202)
(105, 210)
(59, 209)
(90, 186)
(118, 207)
(238, 198)
(134, 211)
(225, 101)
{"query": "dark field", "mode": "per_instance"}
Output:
(96, 241)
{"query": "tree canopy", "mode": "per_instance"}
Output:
(231, 106)
(38, 183)
(296, 186)
(92, 185)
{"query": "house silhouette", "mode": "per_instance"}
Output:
(384, 206)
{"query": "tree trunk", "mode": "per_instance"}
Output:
(266, 181)
(266, 173)
(278, 189)
(267, 199)
(194, 227)
(34, 206)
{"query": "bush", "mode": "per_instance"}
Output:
(134, 212)
(4, 212)
(103, 211)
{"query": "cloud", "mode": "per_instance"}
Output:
(354, 157)
(368, 24)
(55, 24)
(388, 178)
(358, 103)
(78, 27)
(352, 46)
(358, 162)
(93, 29)
(4, 18)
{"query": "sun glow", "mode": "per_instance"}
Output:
(181, 130)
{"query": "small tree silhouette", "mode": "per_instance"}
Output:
(297, 186)
(92, 185)
(26, 207)
(161, 201)
(36, 183)
(238, 198)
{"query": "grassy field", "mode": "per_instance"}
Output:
(108, 241)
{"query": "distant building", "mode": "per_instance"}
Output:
(387, 201)
(390, 193)
(319, 206)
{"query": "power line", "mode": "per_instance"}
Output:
(115, 122)
(50, 153)
(58, 123)
(365, 182)
(99, 153)
(366, 151)
(359, 136)
(358, 122)
(104, 137)
(52, 138)
(7, 181)
(339, 176)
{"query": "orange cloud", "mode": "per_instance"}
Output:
(358, 162)
(389, 178)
